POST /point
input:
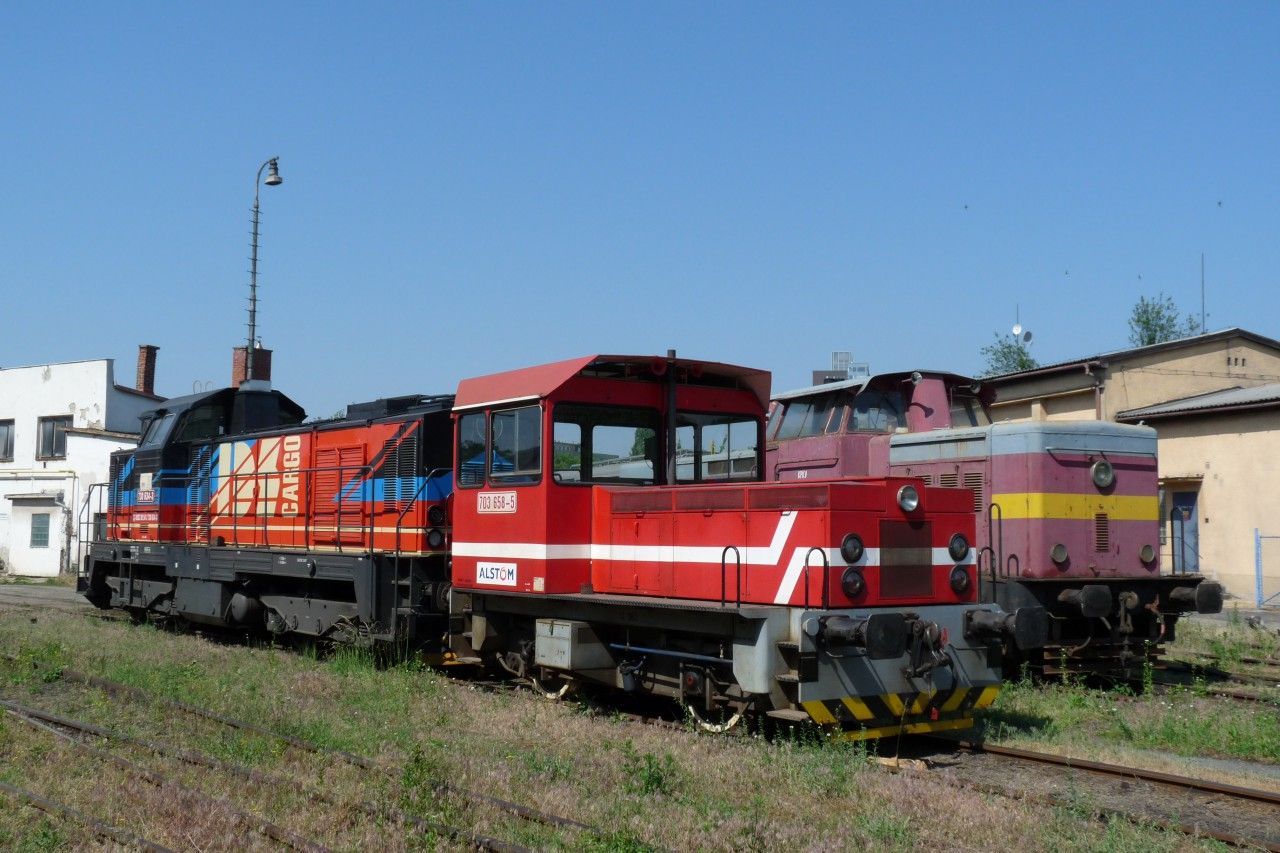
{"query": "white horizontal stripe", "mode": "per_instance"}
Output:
(495, 402)
(669, 553)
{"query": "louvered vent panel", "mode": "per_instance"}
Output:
(351, 501)
(973, 480)
(927, 478)
(198, 496)
(1101, 533)
(949, 481)
(113, 493)
(399, 469)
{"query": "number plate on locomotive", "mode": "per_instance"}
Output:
(487, 502)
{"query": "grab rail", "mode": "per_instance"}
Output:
(737, 558)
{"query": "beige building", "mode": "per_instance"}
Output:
(1214, 401)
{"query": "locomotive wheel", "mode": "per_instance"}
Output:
(549, 685)
(717, 722)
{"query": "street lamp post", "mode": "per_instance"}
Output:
(273, 180)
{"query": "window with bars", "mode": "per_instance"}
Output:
(40, 530)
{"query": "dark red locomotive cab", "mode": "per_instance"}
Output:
(1067, 512)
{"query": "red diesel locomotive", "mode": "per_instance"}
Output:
(589, 521)
(1067, 511)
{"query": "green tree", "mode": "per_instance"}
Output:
(1156, 320)
(1006, 355)
(643, 434)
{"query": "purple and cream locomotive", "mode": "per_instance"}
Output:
(1067, 511)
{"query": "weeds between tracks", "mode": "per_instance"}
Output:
(646, 785)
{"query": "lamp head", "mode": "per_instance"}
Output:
(273, 174)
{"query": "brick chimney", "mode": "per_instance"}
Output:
(261, 365)
(146, 382)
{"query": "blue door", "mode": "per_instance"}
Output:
(1185, 536)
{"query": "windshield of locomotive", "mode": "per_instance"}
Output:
(158, 431)
(877, 411)
(717, 448)
(605, 444)
(967, 411)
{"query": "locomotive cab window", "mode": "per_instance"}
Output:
(775, 418)
(717, 448)
(471, 457)
(157, 432)
(876, 411)
(203, 423)
(605, 444)
(967, 411)
(515, 441)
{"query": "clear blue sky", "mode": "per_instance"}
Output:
(475, 187)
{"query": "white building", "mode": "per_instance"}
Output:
(59, 424)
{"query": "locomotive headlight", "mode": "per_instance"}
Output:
(851, 548)
(852, 582)
(1058, 553)
(435, 539)
(958, 547)
(1104, 475)
(960, 580)
(1147, 554)
(435, 515)
(908, 498)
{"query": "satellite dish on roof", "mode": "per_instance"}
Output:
(1021, 334)
(1026, 336)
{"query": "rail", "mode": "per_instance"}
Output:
(327, 506)
(724, 574)
(826, 577)
(995, 534)
(87, 523)
(410, 595)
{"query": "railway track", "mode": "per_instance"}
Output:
(70, 731)
(123, 691)
(102, 831)
(1233, 814)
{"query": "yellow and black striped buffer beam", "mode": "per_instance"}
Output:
(890, 714)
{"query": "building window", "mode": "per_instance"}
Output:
(51, 441)
(40, 530)
(6, 441)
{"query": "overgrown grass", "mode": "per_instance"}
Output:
(644, 788)
(1229, 640)
(1179, 721)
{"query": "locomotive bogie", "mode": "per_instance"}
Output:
(311, 594)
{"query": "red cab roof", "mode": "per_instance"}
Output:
(532, 383)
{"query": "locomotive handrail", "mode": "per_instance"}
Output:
(990, 553)
(826, 577)
(260, 498)
(1102, 453)
(85, 523)
(737, 559)
(413, 500)
(995, 534)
